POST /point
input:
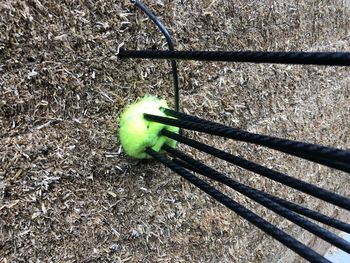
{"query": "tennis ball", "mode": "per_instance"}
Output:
(136, 133)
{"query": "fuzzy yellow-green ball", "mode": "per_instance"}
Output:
(136, 133)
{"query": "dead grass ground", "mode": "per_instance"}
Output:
(67, 191)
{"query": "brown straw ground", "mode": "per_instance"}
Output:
(68, 193)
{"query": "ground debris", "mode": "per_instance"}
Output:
(68, 193)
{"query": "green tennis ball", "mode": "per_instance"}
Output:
(136, 133)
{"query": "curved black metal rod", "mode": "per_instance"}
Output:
(166, 33)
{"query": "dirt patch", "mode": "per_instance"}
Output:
(68, 192)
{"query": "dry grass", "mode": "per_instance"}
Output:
(67, 191)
